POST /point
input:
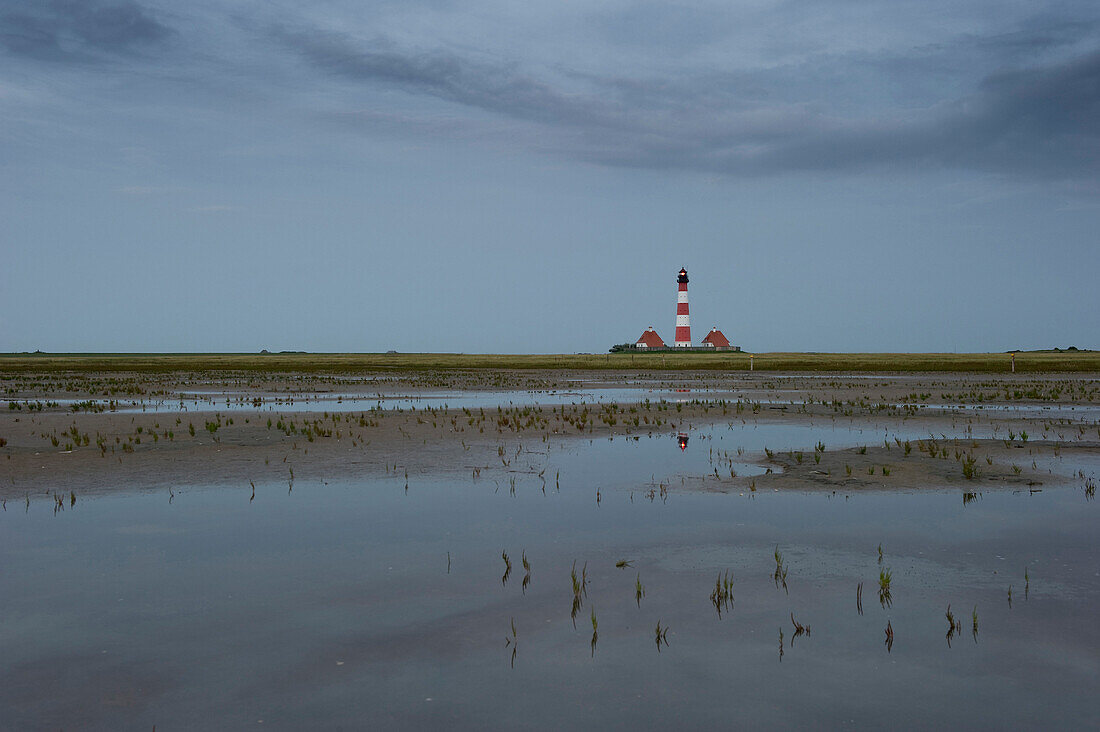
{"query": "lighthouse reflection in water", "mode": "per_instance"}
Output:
(682, 439)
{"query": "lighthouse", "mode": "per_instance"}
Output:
(683, 324)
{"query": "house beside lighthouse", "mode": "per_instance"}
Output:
(716, 340)
(650, 339)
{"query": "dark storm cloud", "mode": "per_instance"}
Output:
(499, 88)
(1039, 120)
(70, 30)
(1021, 98)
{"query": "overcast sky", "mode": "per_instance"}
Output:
(428, 175)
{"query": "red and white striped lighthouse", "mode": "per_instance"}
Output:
(683, 324)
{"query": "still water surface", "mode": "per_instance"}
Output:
(355, 603)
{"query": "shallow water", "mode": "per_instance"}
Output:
(237, 401)
(358, 604)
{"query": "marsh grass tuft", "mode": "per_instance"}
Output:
(580, 590)
(513, 642)
(970, 472)
(780, 576)
(722, 594)
(954, 625)
(595, 632)
(799, 630)
(885, 577)
(661, 636)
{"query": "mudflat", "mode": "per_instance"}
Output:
(88, 432)
(491, 548)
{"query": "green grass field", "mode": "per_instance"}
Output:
(338, 363)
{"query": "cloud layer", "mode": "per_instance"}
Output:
(633, 85)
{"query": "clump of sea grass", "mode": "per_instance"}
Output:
(885, 576)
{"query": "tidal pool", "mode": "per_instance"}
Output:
(360, 603)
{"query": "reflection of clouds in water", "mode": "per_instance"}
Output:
(819, 564)
(149, 530)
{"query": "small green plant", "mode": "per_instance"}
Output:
(885, 577)
(639, 590)
(970, 472)
(799, 629)
(595, 633)
(661, 636)
(722, 595)
(954, 626)
(780, 575)
(580, 589)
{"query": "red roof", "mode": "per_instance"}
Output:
(716, 339)
(650, 339)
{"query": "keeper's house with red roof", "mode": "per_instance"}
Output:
(650, 339)
(717, 341)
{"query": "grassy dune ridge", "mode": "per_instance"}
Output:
(337, 363)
